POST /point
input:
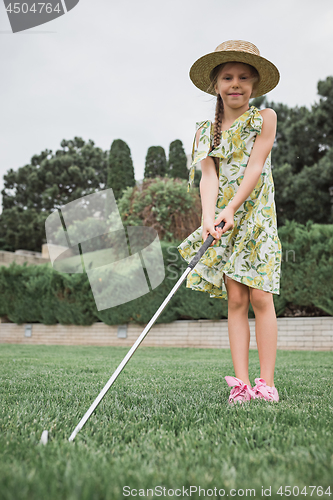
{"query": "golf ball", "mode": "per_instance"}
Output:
(45, 435)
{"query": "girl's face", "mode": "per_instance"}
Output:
(234, 84)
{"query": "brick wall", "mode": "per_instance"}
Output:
(293, 333)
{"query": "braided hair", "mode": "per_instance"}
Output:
(219, 109)
(219, 112)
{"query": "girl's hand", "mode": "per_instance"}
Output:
(227, 215)
(208, 227)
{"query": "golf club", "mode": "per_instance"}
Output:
(101, 395)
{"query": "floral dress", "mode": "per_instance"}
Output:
(249, 253)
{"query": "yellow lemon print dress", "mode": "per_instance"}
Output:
(250, 253)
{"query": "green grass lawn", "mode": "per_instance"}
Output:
(165, 423)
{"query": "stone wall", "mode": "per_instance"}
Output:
(315, 333)
(6, 258)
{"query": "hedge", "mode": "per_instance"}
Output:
(39, 294)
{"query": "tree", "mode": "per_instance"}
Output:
(22, 229)
(120, 168)
(323, 112)
(50, 181)
(197, 178)
(302, 159)
(304, 136)
(155, 162)
(306, 195)
(284, 201)
(177, 163)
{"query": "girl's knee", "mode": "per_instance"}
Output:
(238, 294)
(260, 299)
(238, 301)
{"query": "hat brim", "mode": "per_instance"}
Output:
(202, 68)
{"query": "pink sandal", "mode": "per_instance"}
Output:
(241, 392)
(264, 391)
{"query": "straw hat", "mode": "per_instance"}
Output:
(239, 51)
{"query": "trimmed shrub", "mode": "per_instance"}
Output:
(307, 265)
(164, 204)
(39, 294)
(30, 294)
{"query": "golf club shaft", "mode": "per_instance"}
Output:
(130, 353)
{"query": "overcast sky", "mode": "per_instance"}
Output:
(119, 70)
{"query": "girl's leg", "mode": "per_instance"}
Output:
(238, 327)
(266, 332)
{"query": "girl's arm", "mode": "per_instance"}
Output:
(209, 188)
(261, 149)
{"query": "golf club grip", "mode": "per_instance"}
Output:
(204, 247)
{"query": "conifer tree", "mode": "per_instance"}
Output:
(177, 164)
(120, 168)
(156, 164)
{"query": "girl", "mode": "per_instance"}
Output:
(243, 262)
